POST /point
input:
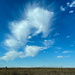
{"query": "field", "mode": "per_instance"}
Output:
(37, 71)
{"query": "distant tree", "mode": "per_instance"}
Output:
(6, 67)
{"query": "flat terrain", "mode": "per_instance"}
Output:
(37, 71)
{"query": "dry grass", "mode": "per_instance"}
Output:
(37, 71)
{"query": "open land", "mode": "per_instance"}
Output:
(37, 71)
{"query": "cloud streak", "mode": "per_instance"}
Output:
(63, 56)
(66, 51)
(48, 43)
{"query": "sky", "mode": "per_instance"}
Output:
(37, 33)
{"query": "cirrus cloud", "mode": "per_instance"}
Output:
(37, 20)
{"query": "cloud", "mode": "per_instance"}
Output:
(63, 56)
(71, 11)
(29, 37)
(72, 4)
(11, 55)
(11, 42)
(56, 34)
(68, 3)
(32, 50)
(48, 43)
(62, 8)
(37, 20)
(28, 51)
(66, 51)
(68, 36)
(59, 56)
(34, 24)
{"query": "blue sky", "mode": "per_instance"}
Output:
(37, 33)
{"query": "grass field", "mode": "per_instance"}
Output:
(37, 71)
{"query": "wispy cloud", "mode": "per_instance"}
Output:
(59, 56)
(37, 20)
(72, 4)
(48, 43)
(68, 36)
(28, 51)
(63, 56)
(71, 11)
(69, 5)
(66, 51)
(56, 34)
(62, 8)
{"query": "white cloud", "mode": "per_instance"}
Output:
(66, 51)
(32, 50)
(29, 51)
(63, 56)
(72, 4)
(68, 36)
(59, 56)
(37, 20)
(11, 55)
(29, 37)
(71, 11)
(20, 30)
(48, 43)
(10, 42)
(62, 8)
(34, 25)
